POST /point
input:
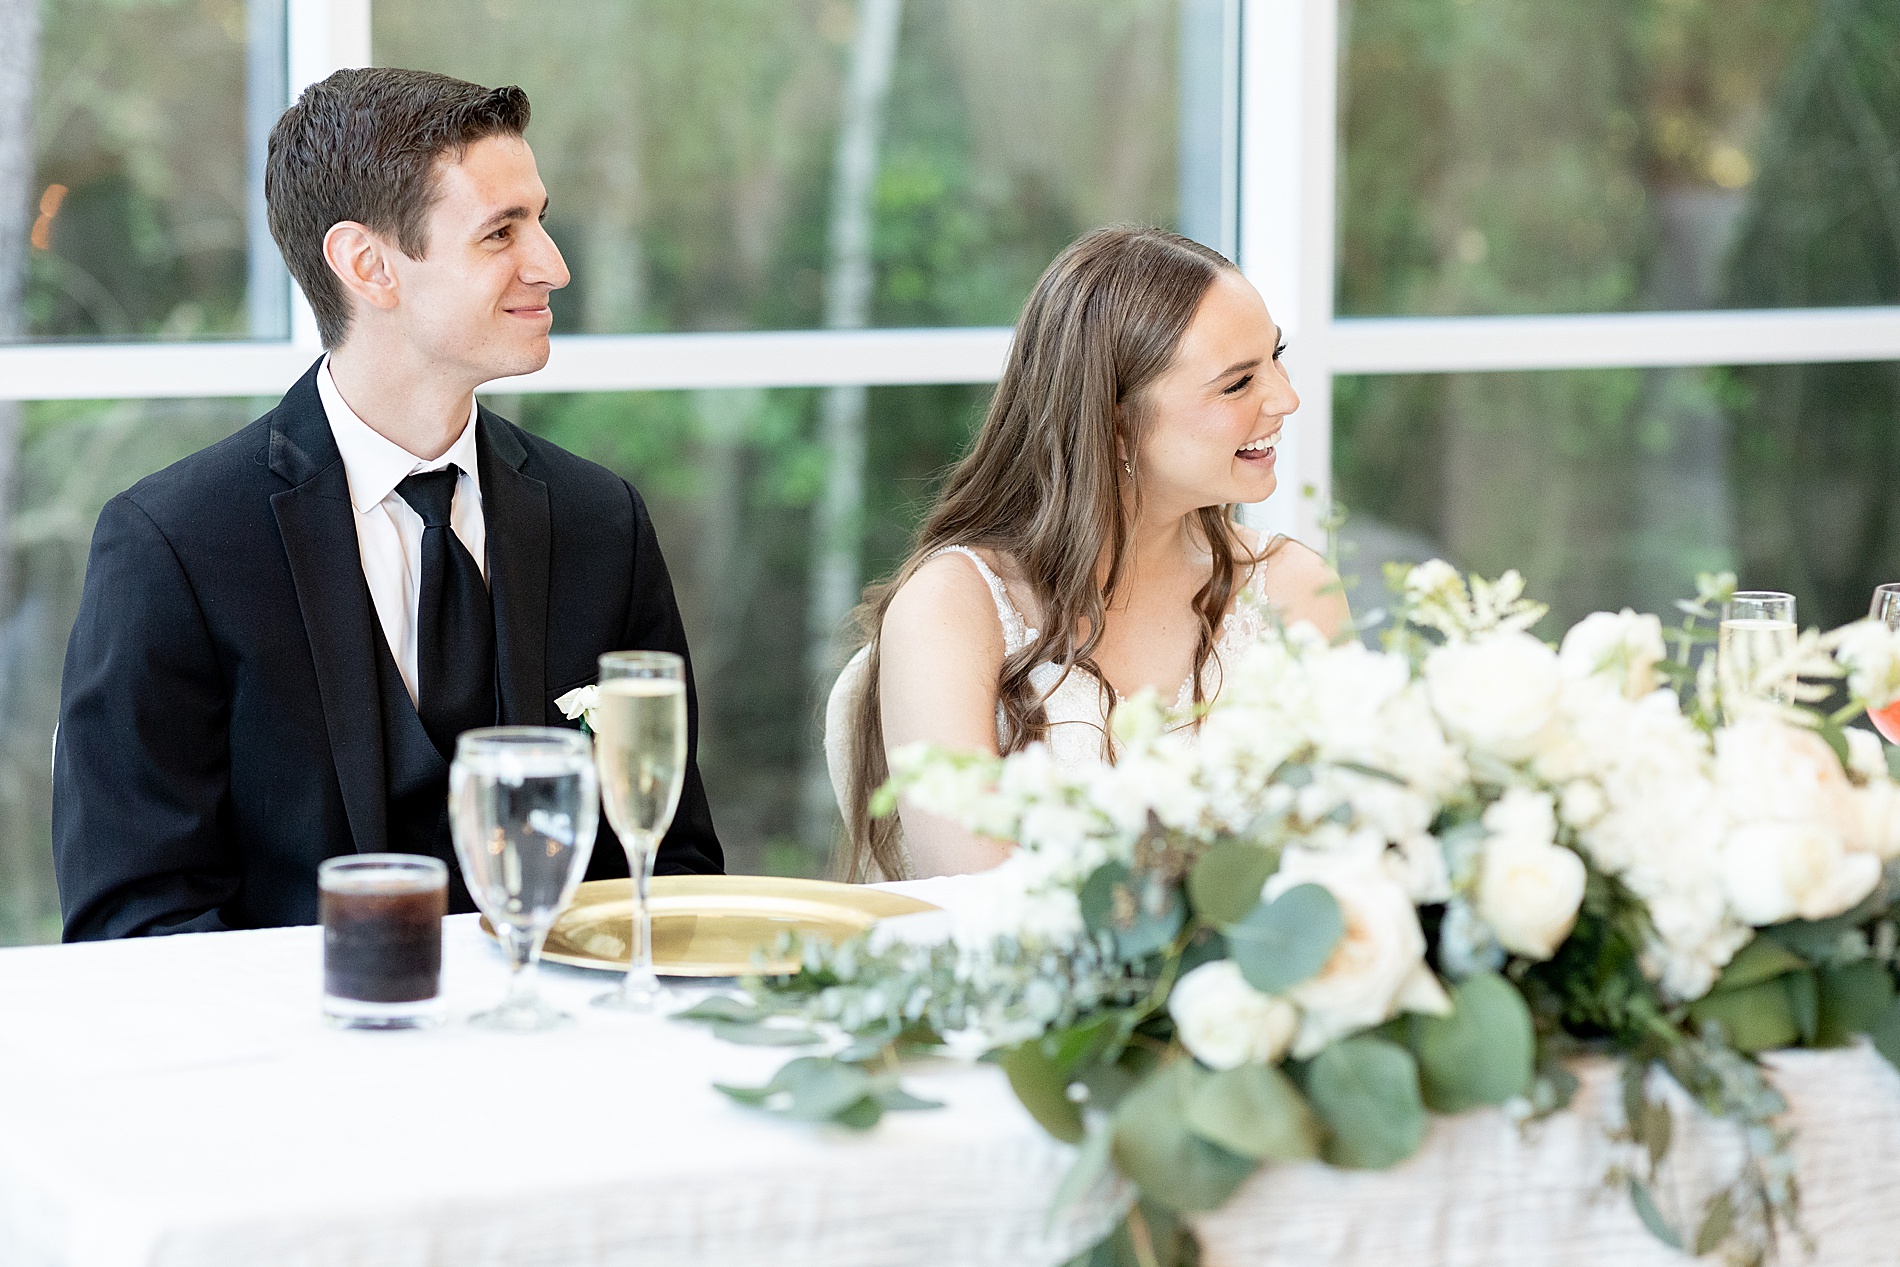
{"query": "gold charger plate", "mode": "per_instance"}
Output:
(710, 925)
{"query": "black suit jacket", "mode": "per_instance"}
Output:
(220, 727)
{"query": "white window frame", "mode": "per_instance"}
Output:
(1286, 163)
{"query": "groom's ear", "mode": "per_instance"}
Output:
(359, 256)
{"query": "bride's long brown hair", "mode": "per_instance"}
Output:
(1044, 485)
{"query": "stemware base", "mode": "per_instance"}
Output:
(643, 998)
(528, 1017)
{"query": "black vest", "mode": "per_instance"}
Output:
(416, 775)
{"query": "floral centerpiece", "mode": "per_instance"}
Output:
(1366, 886)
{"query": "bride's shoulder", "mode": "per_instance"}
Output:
(1297, 580)
(947, 600)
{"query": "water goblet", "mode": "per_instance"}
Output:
(640, 748)
(523, 807)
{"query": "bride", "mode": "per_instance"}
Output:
(1085, 548)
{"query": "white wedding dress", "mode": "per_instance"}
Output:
(1076, 705)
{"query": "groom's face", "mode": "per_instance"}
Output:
(478, 299)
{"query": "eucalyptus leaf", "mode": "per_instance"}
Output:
(892, 1098)
(1366, 1091)
(1091, 1163)
(1483, 1053)
(1715, 1224)
(1804, 1003)
(1652, 1217)
(1225, 884)
(1284, 942)
(1659, 1130)
(1759, 1017)
(821, 1088)
(1097, 896)
(1153, 1146)
(1255, 1111)
(758, 1035)
(1885, 1032)
(1042, 1084)
(814, 1089)
(1853, 998)
(723, 1007)
(1159, 916)
(1760, 960)
(861, 1114)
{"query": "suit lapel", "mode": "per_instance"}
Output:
(516, 516)
(318, 525)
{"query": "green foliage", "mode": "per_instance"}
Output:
(1225, 884)
(1483, 1053)
(821, 1089)
(1283, 942)
(1041, 1081)
(1255, 1111)
(1366, 1092)
(1154, 1146)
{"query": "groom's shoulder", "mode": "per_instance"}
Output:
(220, 478)
(573, 481)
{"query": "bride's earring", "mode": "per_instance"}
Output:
(1127, 466)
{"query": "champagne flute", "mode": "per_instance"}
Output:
(640, 747)
(523, 807)
(1886, 609)
(1758, 630)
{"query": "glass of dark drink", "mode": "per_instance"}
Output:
(382, 939)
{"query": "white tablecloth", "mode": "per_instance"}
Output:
(178, 1103)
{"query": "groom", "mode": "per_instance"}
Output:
(282, 635)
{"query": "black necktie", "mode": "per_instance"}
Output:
(455, 627)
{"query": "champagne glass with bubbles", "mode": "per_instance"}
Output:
(524, 803)
(640, 748)
(1754, 640)
(1886, 609)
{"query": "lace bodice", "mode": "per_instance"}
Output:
(1076, 705)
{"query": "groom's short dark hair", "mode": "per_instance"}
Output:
(362, 145)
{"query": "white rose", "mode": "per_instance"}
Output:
(1622, 646)
(1496, 692)
(1774, 871)
(1866, 756)
(1378, 969)
(1529, 894)
(1768, 770)
(580, 703)
(1871, 654)
(1877, 816)
(1583, 803)
(1523, 815)
(1417, 864)
(1225, 1022)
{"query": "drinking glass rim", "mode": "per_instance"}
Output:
(667, 663)
(494, 740)
(1757, 604)
(421, 863)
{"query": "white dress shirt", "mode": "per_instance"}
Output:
(388, 530)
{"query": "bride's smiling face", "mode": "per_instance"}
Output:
(1215, 414)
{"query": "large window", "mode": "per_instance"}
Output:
(1610, 295)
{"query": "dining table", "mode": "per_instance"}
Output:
(180, 1102)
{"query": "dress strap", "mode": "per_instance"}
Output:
(1016, 631)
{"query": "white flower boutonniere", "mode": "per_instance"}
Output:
(581, 702)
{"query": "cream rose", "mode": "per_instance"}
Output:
(1529, 894)
(1227, 1023)
(1497, 692)
(1774, 871)
(1621, 646)
(1378, 969)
